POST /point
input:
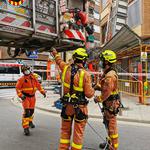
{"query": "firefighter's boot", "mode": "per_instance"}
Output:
(104, 146)
(26, 131)
(31, 125)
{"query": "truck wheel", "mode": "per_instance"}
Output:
(13, 52)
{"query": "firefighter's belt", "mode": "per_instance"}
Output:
(112, 110)
(113, 97)
(28, 95)
(74, 100)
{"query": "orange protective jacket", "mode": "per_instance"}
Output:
(28, 84)
(109, 84)
(87, 85)
(81, 76)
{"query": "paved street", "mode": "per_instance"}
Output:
(133, 136)
(7, 93)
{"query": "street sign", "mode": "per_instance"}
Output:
(33, 54)
(143, 56)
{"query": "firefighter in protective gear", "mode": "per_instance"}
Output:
(109, 97)
(26, 87)
(77, 86)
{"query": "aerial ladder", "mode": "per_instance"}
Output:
(117, 17)
(28, 25)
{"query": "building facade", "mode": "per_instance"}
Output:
(138, 18)
(94, 19)
(134, 57)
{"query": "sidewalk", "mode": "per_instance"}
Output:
(133, 112)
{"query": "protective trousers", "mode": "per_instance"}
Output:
(28, 105)
(112, 130)
(66, 129)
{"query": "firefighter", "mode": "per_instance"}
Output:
(77, 86)
(26, 87)
(109, 97)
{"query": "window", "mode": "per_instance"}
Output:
(134, 14)
(104, 27)
(9, 70)
(96, 15)
(96, 29)
(104, 3)
(91, 11)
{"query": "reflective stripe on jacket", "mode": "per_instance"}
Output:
(109, 85)
(82, 79)
(28, 84)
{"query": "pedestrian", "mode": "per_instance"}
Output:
(109, 97)
(26, 87)
(77, 86)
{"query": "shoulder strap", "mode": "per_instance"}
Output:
(74, 70)
(108, 70)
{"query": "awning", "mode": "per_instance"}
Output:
(122, 40)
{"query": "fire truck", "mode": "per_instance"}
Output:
(26, 25)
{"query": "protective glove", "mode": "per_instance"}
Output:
(44, 95)
(98, 99)
(23, 97)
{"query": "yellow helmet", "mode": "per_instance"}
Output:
(80, 54)
(109, 55)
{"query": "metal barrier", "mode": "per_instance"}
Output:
(131, 87)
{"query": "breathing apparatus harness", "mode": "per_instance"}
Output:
(75, 98)
(113, 97)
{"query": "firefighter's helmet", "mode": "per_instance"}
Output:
(80, 54)
(108, 55)
(24, 68)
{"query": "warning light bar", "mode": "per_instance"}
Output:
(16, 2)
